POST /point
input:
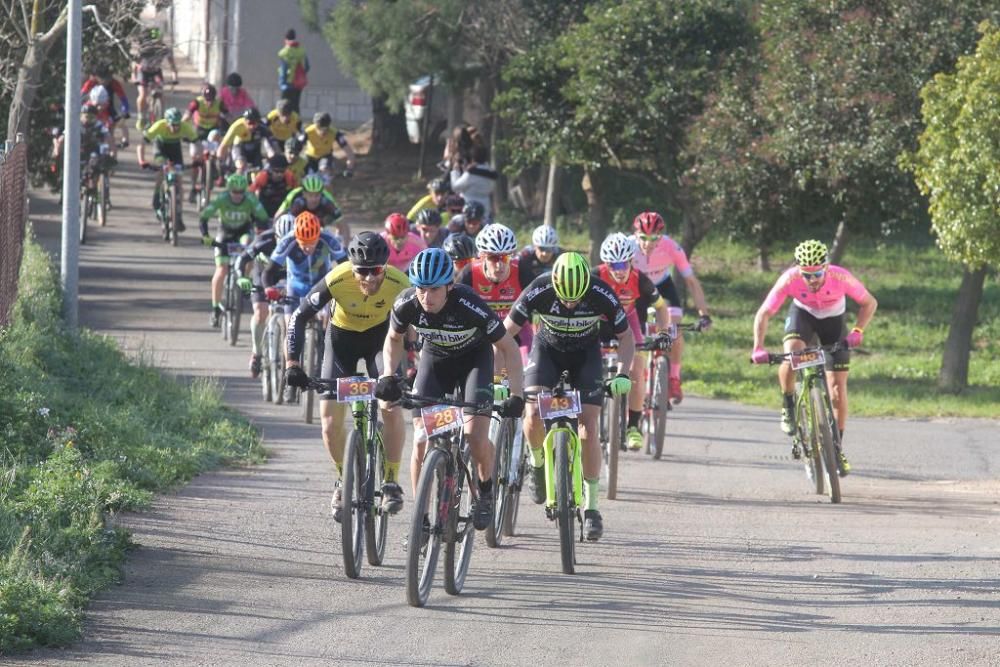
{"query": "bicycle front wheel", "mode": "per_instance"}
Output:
(503, 446)
(84, 215)
(376, 521)
(102, 200)
(460, 535)
(824, 426)
(564, 502)
(276, 358)
(426, 528)
(236, 301)
(309, 361)
(659, 403)
(352, 512)
(175, 213)
(616, 431)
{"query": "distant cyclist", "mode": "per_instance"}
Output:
(313, 196)
(209, 114)
(658, 255)
(428, 225)
(437, 190)
(320, 139)
(403, 244)
(249, 140)
(147, 69)
(166, 135)
(541, 254)
(818, 312)
(273, 184)
(461, 249)
(470, 222)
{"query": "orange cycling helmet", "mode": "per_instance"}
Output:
(307, 228)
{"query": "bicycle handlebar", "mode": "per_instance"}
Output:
(562, 387)
(412, 400)
(778, 358)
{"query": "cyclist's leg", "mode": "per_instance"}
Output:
(668, 291)
(541, 372)
(221, 268)
(479, 389)
(432, 379)
(585, 371)
(340, 358)
(393, 424)
(259, 318)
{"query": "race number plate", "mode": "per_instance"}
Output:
(357, 388)
(440, 419)
(551, 407)
(801, 360)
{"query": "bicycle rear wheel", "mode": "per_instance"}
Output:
(102, 200)
(564, 502)
(513, 500)
(84, 215)
(236, 301)
(460, 535)
(376, 521)
(659, 403)
(352, 513)
(421, 555)
(175, 213)
(503, 446)
(616, 433)
(309, 357)
(227, 306)
(275, 358)
(824, 426)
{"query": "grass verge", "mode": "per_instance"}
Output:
(84, 434)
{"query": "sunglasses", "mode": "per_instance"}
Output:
(369, 270)
(619, 266)
(462, 263)
(496, 257)
(649, 237)
(813, 275)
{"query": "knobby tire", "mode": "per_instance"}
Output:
(352, 513)
(564, 502)
(460, 535)
(421, 561)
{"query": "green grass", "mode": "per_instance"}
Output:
(895, 371)
(84, 434)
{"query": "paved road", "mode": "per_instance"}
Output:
(717, 554)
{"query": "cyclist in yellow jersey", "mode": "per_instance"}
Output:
(283, 122)
(363, 292)
(166, 135)
(297, 162)
(320, 138)
(208, 113)
(437, 190)
(248, 137)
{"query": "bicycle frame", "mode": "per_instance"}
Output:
(575, 462)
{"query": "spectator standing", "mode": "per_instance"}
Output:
(293, 65)
(476, 181)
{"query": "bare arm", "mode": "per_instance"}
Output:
(662, 315)
(507, 346)
(626, 349)
(868, 308)
(392, 352)
(512, 328)
(697, 294)
(760, 321)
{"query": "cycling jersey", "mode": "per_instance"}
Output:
(152, 53)
(92, 135)
(401, 258)
(464, 322)
(321, 145)
(353, 310)
(298, 166)
(828, 301)
(664, 256)
(427, 201)
(282, 131)
(500, 296)
(206, 114)
(636, 286)
(270, 192)
(233, 216)
(295, 203)
(237, 102)
(160, 134)
(532, 265)
(239, 133)
(563, 328)
(114, 88)
(304, 270)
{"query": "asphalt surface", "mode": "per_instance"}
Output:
(717, 554)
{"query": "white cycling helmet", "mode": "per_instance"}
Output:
(98, 96)
(617, 248)
(496, 238)
(284, 225)
(545, 237)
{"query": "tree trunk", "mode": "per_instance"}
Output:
(694, 228)
(764, 256)
(19, 117)
(388, 128)
(552, 193)
(839, 246)
(595, 187)
(954, 375)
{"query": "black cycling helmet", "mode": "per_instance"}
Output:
(429, 216)
(460, 246)
(438, 186)
(102, 71)
(209, 92)
(473, 210)
(293, 145)
(279, 161)
(251, 115)
(284, 107)
(234, 80)
(323, 119)
(368, 249)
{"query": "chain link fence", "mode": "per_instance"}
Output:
(13, 219)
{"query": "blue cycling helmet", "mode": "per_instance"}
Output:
(431, 268)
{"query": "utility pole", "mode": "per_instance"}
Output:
(70, 266)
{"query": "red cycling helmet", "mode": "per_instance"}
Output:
(649, 222)
(397, 225)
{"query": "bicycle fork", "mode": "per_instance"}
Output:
(575, 466)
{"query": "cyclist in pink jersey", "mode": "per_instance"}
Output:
(658, 255)
(819, 305)
(403, 244)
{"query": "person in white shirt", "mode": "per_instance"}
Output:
(476, 181)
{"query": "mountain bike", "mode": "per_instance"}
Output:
(363, 524)
(233, 297)
(559, 408)
(169, 211)
(445, 500)
(510, 461)
(272, 372)
(815, 434)
(613, 423)
(205, 173)
(312, 363)
(653, 423)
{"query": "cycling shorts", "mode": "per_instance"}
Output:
(249, 153)
(169, 153)
(148, 76)
(586, 374)
(256, 277)
(803, 325)
(231, 235)
(343, 349)
(473, 370)
(668, 290)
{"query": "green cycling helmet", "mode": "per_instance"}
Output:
(236, 183)
(173, 115)
(811, 253)
(312, 183)
(571, 276)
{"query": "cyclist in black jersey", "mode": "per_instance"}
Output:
(570, 305)
(459, 333)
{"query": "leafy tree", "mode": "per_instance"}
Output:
(615, 92)
(955, 166)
